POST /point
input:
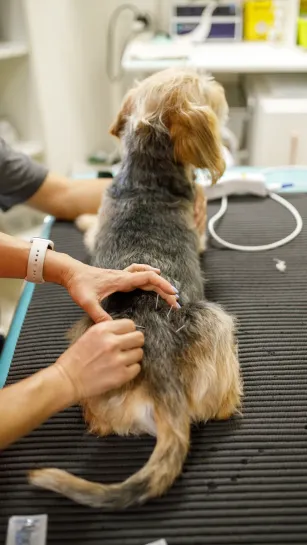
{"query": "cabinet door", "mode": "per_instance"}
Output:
(279, 133)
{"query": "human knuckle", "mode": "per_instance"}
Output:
(115, 382)
(134, 370)
(121, 377)
(139, 337)
(137, 368)
(139, 354)
(110, 343)
(100, 328)
(129, 324)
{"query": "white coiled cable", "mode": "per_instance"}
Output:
(273, 245)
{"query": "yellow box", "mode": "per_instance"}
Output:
(259, 17)
(302, 32)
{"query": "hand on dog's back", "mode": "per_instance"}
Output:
(88, 286)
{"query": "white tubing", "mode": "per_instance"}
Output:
(273, 245)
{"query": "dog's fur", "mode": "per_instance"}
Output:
(167, 123)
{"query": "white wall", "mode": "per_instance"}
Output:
(18, 97)
(76, 101)
(66, 57)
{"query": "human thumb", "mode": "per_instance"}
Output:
(96, 312)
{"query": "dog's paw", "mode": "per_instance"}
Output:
(202, 244)
(88, 224)
(85, 222)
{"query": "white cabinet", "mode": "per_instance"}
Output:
(277, 132)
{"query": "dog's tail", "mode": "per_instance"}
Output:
(162, 468)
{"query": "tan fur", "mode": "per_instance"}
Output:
(188, 105)
(194, 131)
(121, 409)
(216, 387)
(160, 470)
(78, 329)
(123, 115)
(190, 216)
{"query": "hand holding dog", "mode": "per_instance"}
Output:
(107, 356)
(88, 286)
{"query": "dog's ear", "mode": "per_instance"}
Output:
(118, 125)
(195, 134)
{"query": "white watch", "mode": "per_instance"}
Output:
(36, 259)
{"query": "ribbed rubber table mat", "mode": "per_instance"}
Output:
(245, 480)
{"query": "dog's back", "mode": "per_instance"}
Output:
(146, 221)
(190, 370)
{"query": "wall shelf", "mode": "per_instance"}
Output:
(236, 57)
(11, 50)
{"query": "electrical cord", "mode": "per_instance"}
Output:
(263, 248)
(111, 33)
(299, 222)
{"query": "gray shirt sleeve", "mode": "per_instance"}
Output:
(20, 177)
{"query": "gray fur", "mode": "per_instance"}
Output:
(146, 223)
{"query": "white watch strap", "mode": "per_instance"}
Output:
(36, 259)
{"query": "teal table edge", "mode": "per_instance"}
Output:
(19, 316)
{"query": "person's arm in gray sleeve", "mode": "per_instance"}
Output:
(23, 180)
(20, 177)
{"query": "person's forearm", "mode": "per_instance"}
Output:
(14, 255)
(67, 199)
(29, 403)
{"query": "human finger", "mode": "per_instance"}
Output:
(132, 340)
(120, 327)
(140, 267)
(129, 357)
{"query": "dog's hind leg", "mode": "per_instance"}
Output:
(96, 419)
(215, 387)
(202, 243)
(232, 399)
(125, 411)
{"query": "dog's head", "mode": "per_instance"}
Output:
(190, 106)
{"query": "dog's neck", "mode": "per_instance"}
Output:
(148, 166)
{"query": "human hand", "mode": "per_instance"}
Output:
(200, 209)
(107, 356)
(88, 286)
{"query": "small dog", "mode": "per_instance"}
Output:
(168, 124)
